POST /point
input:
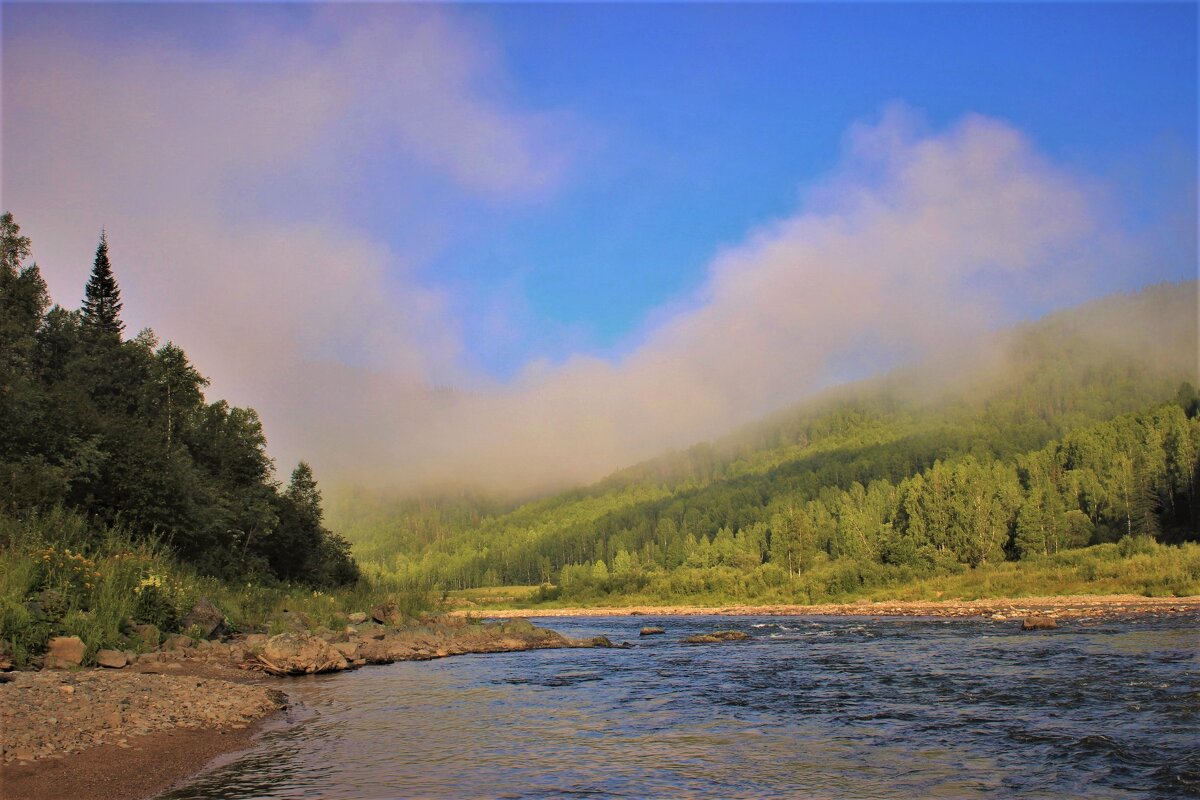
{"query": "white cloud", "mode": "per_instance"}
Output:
(919, 238)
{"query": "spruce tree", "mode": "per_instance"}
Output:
(102, 297)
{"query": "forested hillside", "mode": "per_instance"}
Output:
(1079, 429)
(118, 431)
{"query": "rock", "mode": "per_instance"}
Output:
(717, 636)
(357, 618)
(255, 641)
(148, 634)
(206, 619)
(296, 620)
(299, 653)
(651, 630)
(601, 641)
(177, 641)
(347, 649)
(375, 651)
(387, 614)
(1038, 624)
(64, 651)
(371, 632)
(113, 659)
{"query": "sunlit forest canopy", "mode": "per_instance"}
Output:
(1078, 429)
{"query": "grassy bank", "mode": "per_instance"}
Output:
(1137, 566)
(60, 577)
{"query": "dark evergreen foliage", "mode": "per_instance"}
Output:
(120, 430)
(102, 298)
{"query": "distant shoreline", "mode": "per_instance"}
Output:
(1073, 606)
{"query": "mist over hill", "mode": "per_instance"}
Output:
(1078, 428)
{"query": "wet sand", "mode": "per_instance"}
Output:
(162, 727)
(145, 767)
(135, 732)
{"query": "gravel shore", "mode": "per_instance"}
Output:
(1015, 608)
(134, 731)
(122, 734)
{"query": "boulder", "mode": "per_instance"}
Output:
(387, 614)
(1038, 624)
(255, 641)
(206, 619)
(604, 642)
(357, 618)
(296, 620)
(347, 649)
(717, 636)
(113, 659)
(376, 651)
(651, 630)
(64, 651)
(299, 654)
(147, 633)
(177, 641)
(371, 632)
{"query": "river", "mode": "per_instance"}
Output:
(812, 707)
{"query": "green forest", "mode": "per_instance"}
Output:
(118, 430)
(1061, 448)
(125, 495)
(1057, 457)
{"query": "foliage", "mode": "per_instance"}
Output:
(1068, 443)
(61, 577)
(120, 431)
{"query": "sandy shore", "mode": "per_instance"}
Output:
(1063, 607)
(125, 734)
(131, 733)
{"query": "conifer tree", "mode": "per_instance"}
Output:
(102, 297)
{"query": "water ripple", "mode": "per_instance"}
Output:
(812, 707)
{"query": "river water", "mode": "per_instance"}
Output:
(812, 707)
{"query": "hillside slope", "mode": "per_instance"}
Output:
(1064, 432)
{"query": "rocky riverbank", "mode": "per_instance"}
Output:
(149, 719)
(1066, 607)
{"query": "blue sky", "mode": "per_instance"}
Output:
(456, 229)
(713, 118)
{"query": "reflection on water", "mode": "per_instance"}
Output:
(812, 707)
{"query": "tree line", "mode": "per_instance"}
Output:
(119, 430)
(1075, 446)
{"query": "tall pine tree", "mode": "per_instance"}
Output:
(102, 298)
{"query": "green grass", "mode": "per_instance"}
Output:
(58, 577)
(1138, 567)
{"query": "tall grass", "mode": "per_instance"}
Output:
(1137, 566)
(61, 577)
